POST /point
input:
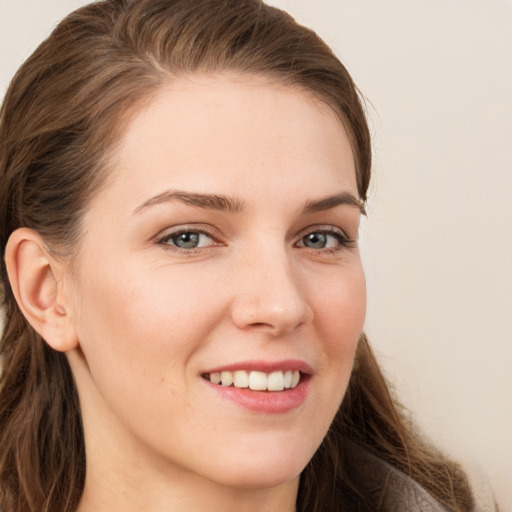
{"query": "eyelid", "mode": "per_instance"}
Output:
(168, 233)
(344, 240)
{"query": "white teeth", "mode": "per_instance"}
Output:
(227, 378)
(241, 379)
(257, 381)
(215, 378)
(287, 379)
(275, 381)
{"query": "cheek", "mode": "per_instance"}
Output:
(138, 332)
(340, 315)
(341, 308)
(142, 323)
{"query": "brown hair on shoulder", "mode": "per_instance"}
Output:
(63, 113)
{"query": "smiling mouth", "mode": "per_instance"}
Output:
(256, 380)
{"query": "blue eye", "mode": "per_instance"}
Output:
(325, 239)
(188, 240)
(315, 240)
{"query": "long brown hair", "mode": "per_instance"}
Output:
(65, 109)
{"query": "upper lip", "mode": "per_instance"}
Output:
(264, 366)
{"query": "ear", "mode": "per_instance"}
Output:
(36, 281)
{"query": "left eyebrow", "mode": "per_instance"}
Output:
(326, 203)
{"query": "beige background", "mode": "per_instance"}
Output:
(438, 241)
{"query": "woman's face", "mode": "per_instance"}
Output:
(223, 247)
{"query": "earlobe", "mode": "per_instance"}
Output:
(33, 276)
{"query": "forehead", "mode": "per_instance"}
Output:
(221, 132)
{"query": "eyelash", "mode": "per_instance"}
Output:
(164, 241)
(343, 240)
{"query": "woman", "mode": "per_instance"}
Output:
(182, 184)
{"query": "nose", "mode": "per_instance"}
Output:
(270, 295)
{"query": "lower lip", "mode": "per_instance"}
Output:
(269, 402)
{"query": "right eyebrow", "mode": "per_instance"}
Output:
(326, 203)
(208, 201)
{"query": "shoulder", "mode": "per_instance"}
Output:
(483, 493)
(393, 490)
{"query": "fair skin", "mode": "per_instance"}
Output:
(210, 248)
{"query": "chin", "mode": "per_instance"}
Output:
(265, 468)
(258, 478)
